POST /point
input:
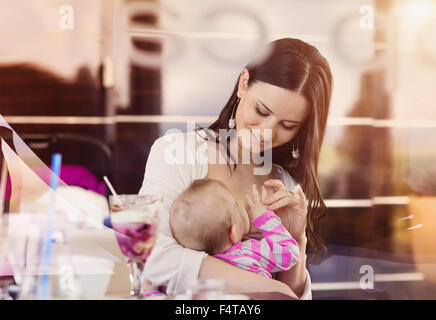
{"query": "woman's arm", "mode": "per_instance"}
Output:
(292, 210)
(296, 277)
(169, 264)
(240, 280)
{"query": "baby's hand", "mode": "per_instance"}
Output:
(254, 205)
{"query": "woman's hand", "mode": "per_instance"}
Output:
(241, 280)
(147, 286)
(290, 207)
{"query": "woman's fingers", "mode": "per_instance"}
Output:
(275, 183)
(283, 202)
(148, 287)
(276, 196)
(301, 194)
(276, 201)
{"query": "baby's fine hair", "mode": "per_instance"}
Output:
(199, 219)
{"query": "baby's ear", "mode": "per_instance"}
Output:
(233, 234)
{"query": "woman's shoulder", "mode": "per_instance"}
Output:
(179, 136)
(175, 143)
(184, 150)
(169, 137)
(290, 183)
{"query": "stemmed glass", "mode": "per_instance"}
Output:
(136, 219)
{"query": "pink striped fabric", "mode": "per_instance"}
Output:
(276, 251)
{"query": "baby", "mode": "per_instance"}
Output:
(206, 217)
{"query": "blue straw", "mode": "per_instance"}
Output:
(54, 181)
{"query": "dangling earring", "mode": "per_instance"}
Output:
(295, 152)
(232, 119)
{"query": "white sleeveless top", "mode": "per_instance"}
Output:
(168, 174)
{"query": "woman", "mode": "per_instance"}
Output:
(286, 98)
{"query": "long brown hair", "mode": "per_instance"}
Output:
(295, 65)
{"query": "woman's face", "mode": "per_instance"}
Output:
(270, 115)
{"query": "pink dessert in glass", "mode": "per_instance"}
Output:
(135, 239)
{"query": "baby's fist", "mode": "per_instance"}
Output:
(253, 204)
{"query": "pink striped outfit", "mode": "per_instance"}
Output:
(276, 251)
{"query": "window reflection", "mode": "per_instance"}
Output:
(376, 171)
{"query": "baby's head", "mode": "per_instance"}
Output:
(206, 217)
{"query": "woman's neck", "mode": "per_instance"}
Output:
(245, 157)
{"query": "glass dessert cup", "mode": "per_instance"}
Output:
(135, 220)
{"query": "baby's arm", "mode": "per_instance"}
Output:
(282, 249)
(278, 250)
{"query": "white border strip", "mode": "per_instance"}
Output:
(163, 118)
(382, 123)
(140, 32)
(391, 277)
(57, 120)
(324, 286)
(332, 121)
(105, 120)
(366, 203)
(384, 277)
(347, 203)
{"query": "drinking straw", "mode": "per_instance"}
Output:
(114, 193)
(54, 181)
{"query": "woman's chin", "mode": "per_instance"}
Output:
(252, 150)
(250, 146)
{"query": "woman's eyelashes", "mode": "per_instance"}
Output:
(259, 112)
(288, 128)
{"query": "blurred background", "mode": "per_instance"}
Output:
(100, 80)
